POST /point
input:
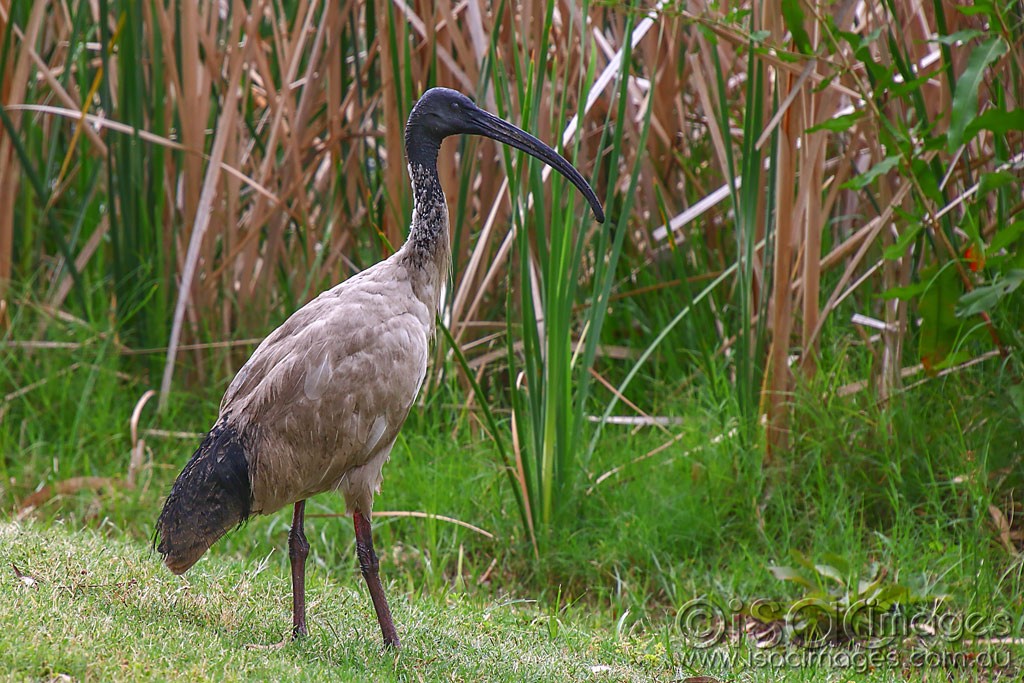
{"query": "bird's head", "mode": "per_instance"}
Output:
(442, 112)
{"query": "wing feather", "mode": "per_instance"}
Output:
(330, 388)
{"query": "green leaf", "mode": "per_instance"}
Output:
(830, 572)
(708, 34)
(999, 121)
(925, 175)
(838, 124)
(841, 564)
(981, 299)
(976, 8)
(911, 86)
(865, 179)
(888, 595)
(1006, 236)
(899, 248)
(802, 559)
(965, 99)
(790, 574)
(858, 41)
(934, 144)
(984, 299)
(793, 17)
(959, 37)
(1017, 398)
(881, 76)
(905, 293)
(994, 181)
(939, 323)
(826, 82)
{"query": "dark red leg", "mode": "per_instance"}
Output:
(298, 551)
(370, 567)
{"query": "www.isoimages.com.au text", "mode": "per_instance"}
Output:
(724, 659)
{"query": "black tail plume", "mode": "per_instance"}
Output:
(212, 495)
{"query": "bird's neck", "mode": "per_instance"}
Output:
(427, 249)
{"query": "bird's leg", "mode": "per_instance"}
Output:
(298, 551)
(369, 566)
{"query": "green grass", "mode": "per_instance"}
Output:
(92, 606)
(105, 609)
(907, 487)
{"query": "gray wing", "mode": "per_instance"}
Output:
(330, 388)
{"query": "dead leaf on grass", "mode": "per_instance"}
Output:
(66, 487)
(26, 579)
(1003, 525)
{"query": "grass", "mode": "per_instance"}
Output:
(908, 487)
(99, 608)
(88, 605)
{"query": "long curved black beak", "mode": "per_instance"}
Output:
(480, 122)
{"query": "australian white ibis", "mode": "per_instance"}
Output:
(319, 404)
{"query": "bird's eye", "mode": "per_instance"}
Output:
(455, 106)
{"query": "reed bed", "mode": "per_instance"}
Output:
(777, 176)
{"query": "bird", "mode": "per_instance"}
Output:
(319, 404)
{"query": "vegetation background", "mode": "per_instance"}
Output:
(788, 365)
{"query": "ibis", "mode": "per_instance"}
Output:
(318, 405)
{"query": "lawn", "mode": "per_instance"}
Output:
(93, 607)
(86, 605)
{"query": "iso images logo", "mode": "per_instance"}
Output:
(860, 636)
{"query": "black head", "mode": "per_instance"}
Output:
(441, 112)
